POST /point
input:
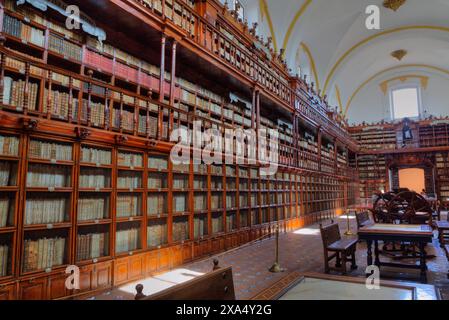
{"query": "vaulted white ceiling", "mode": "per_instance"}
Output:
(328, 39)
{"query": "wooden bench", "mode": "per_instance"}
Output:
(343, 250)
(216, 285)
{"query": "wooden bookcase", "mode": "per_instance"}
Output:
(85, 131)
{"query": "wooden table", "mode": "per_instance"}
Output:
(419, 234)
(314, 286)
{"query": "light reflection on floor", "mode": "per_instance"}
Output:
(161, 282)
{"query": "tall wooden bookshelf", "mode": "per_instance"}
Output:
(85, 170)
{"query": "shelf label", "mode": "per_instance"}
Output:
(22, 71)
(131, 219)
(131, 189)
(132, 167)
(159, 247)
(19, 109)
(97, 164)
(48, 270)
(53, 161)
(97, 221)
(24, 41)
(131, 253)
(158, 215)
(26, 19)
(49, 226)
(97, 189)
(95, 260)
(51, 189)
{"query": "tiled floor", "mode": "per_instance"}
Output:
(300, 251)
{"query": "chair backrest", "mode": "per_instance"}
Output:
(216, 285)
(330, 234)
(362, 218)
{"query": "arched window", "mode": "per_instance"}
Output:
(405, 102)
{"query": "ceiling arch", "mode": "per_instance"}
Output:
(340, 53)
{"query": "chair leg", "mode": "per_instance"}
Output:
(326, 263)
(338, 263)
(353, 261)
(343, 263)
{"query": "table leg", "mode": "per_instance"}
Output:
(369, 244)
(423, 265)
(377, 253)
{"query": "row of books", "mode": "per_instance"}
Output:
(158, 162)
(7, 176)
(26, 33)
(231, 221)
(45, 210)
(157, 204)
(157, 181)
(123, 119)
(93, 208)
(91, 246)
(200, 202)
(43, 253)
(60, 104)
(200, 226)
(94, 178)
(157, 234)
(96, 115)
(65, 48)
(129, 205)
(129, 180)
(217, 223)
(14, 93)
(50, 150)
(9, 145)
(127, 159)
(96, 156)
(4, 250)
(127, 240)
(181, 229)
(5, 208)
(180, 181)
(180, 202)
(48, 176)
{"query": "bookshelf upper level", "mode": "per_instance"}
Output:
(430, 134)
(212, 33)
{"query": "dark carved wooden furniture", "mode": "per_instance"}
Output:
(419, 234)
(216, 285)
(337, 248)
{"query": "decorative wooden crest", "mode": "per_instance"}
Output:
(82, 133)
(394, 4)
(399, 54)
(29, 124)
(121, 139)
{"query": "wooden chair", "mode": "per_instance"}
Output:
(343, 250)
(363, 219)
(216, 285)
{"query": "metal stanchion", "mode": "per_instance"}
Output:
(276, 268)
(348, 229)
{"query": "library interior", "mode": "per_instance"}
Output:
(224, 150)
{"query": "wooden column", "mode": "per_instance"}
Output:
(173, 74)
(162, 71)
(319, 148)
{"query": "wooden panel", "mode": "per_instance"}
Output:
(187, 253)
(86, 278)
(121, 271)
(7, 292)
(35, 289)
(151, 262)
(56, 286)
(164, 259)
(103, 275)
(176, 256)
(136, 267)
